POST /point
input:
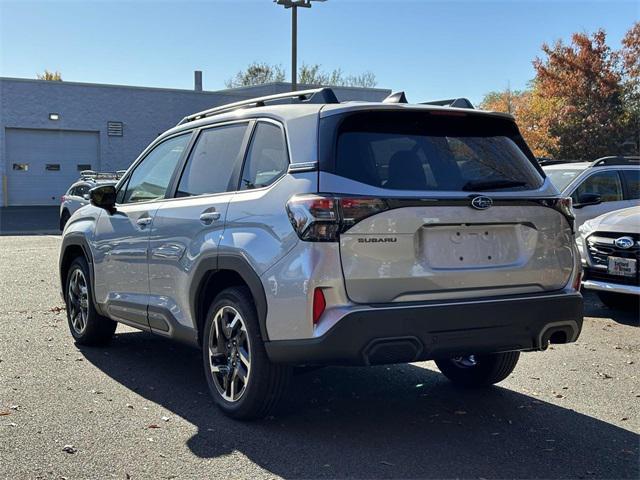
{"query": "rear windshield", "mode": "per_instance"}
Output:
(425, 151)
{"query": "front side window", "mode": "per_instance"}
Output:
(421, 151)
(267, 158)
(212, 161)
(605, 184)
(632, 179)
(150, 179)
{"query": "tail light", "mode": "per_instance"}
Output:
(319, 304)
(317, 218)
(63, 198)
(564, 205)
(577, 282)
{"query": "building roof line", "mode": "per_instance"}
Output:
(238, 91)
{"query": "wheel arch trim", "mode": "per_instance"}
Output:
(235, 263)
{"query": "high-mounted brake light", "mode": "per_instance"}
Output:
(318, 218)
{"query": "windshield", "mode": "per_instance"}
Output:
(561, 178)
(418, 151)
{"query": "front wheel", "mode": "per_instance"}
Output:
(85, 324)
(241, 379)
(479, 370)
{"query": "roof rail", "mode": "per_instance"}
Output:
(615, 160)
(544, 161)
(396, 97)
(93, 175)
(452, 102)
(316, 95)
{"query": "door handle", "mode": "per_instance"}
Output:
(144, 221)
(209, 217)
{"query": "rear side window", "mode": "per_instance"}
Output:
(423, 151)
(605, 184)
(82, 190)
(212, 161)
(632, 179)
(267, 158)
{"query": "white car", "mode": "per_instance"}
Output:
(77, 195)
(610, 250)
(608, 184)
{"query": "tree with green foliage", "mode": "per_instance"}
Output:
(261, 73)
(47, 75)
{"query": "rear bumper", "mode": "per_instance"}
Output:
(408, 333)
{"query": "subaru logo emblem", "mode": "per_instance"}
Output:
(624, 242)
(481, 202)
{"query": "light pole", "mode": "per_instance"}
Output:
(293, 5)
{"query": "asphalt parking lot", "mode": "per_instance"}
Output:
(139, 408)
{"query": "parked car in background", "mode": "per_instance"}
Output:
(610, 249)
(78, 194)
(608, 184)
(297, 230)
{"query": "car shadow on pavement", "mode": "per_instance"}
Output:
(593, 307)
(399, 421)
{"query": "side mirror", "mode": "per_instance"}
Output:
(103, 196)
(588, 199)
(86, 196)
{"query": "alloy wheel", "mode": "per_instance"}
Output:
(229, 353)
(465, 362)
(78, 301)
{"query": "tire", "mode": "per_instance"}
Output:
(241, 379)
(86, 325)
(64, 218)
(619, 301)
(479, 370)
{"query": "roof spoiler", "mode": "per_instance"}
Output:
(451, 102)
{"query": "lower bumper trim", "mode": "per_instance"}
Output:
(425, 332)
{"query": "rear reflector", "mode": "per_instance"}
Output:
(319, 304)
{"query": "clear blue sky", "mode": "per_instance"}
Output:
(429, 49)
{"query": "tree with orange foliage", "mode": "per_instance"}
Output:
(630, 58)
(531, 112)
(584, 102)
(585, 80)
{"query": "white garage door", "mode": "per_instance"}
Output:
(41, 164)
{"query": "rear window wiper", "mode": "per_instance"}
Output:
(480, 185)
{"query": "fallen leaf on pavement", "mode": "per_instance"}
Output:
(69, 449)
(153, 425)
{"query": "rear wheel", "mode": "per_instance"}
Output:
(241, 379)
(85, 324)
(619, 301)
(479, 370)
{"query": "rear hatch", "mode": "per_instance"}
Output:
(441, 204)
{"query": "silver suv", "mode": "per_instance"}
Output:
(297, 230)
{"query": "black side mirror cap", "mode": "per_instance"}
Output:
(588, 199)
(103, 196)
